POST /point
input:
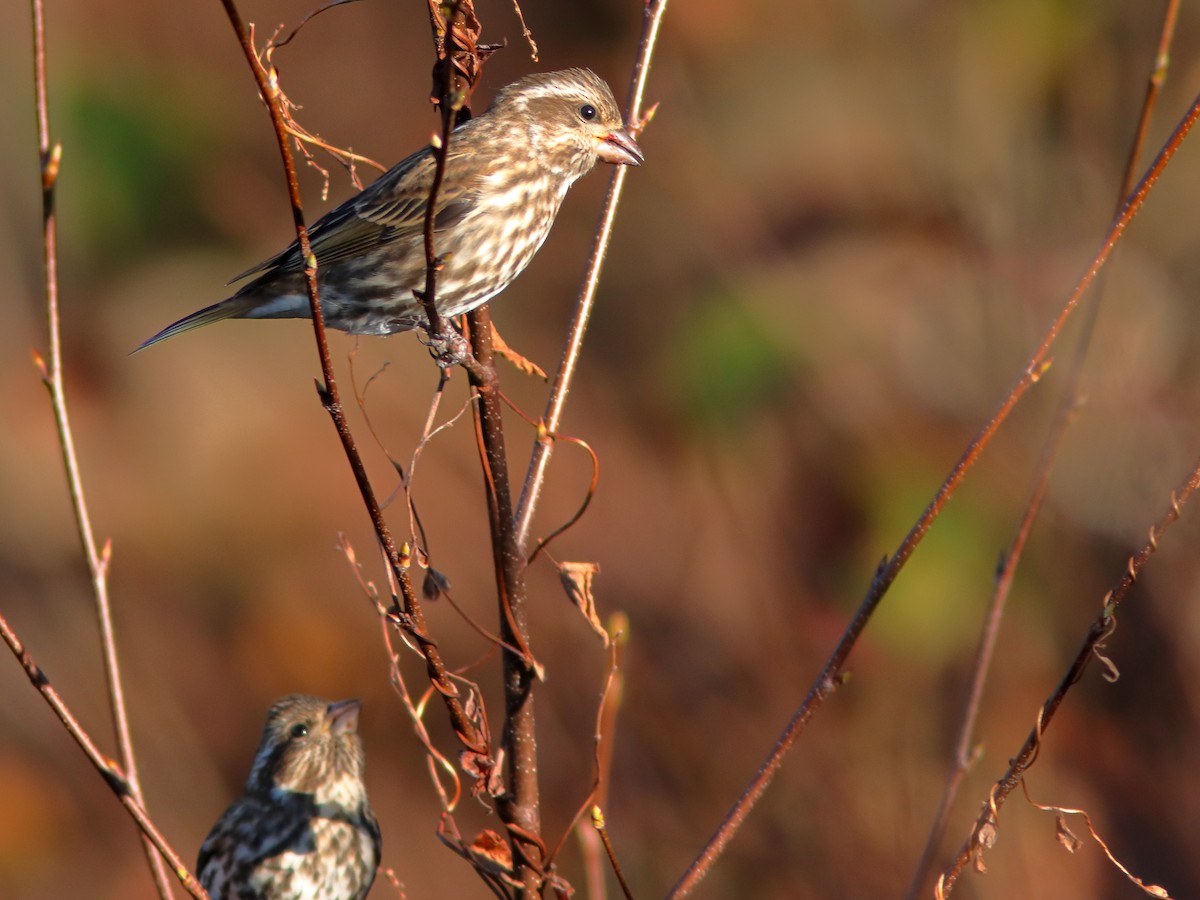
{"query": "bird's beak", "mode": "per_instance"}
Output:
(620, 149)
(343, 716)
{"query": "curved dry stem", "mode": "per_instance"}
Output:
(611, 698)
(1035, 367)
(1072, 399)
(984, 831)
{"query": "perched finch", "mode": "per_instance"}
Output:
(301, 830)
(507, 172)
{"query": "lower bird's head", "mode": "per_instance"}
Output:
(310, 746)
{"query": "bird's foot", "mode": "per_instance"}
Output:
(447, 346)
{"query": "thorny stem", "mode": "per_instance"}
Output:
(413, 618)
(983, 833)
(890, 568)
(653, 12)
(117, 780)
(1064, 416)
(52, 378)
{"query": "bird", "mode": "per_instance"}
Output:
(506, 174)
(302, 828)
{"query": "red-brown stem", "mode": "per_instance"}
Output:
(653, 12)
(117, 780)
(52, 377)
(602, 831)
(891, 567)
(520, 808)
(331, 400)
(1154, 84)
(1100, 628)
(1064, 416)
(605, 736)
(960, 762)
(429, 295)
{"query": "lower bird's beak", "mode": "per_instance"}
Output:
(620, 149)
(343, 716)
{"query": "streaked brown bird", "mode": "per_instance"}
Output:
(507, 172)
(302, 829)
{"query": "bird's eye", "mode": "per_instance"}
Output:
(299, 730)
(587, 112)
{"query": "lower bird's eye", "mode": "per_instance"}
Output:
(300, 730)
(587, 112)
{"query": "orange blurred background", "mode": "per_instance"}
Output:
(853, 225)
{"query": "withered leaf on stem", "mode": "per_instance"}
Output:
(577, 581)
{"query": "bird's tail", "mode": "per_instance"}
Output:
(234, 308)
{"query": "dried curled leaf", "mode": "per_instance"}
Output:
(522, 363)
(577, 581)
(434, 585)
(491, 852)
(1064, 834)
(484, 772)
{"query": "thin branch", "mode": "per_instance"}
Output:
(52, 378)
(602, 830)
(1071, 401)
(653, 11)
(455, 74)
(963, 757)
(116, 779)
(1035, 367)
(1154, 85)
(983, 833)
(611, 698)
(411, 617)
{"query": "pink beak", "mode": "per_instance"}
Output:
(343, 716)
(620, 149)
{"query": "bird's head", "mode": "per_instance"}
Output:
(310, 746)
(571, 119)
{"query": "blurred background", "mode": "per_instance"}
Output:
(854, 223)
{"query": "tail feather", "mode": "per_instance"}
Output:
(234, 308)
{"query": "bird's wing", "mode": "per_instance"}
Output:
(390, 208)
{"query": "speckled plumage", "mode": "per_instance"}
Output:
(302, 828)
(507, 172)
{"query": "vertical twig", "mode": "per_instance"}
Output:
(510, 533)
(890, 568)
(653, 11)
(52, 378)
(455, 72)
(520, 807)
(602, 830)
